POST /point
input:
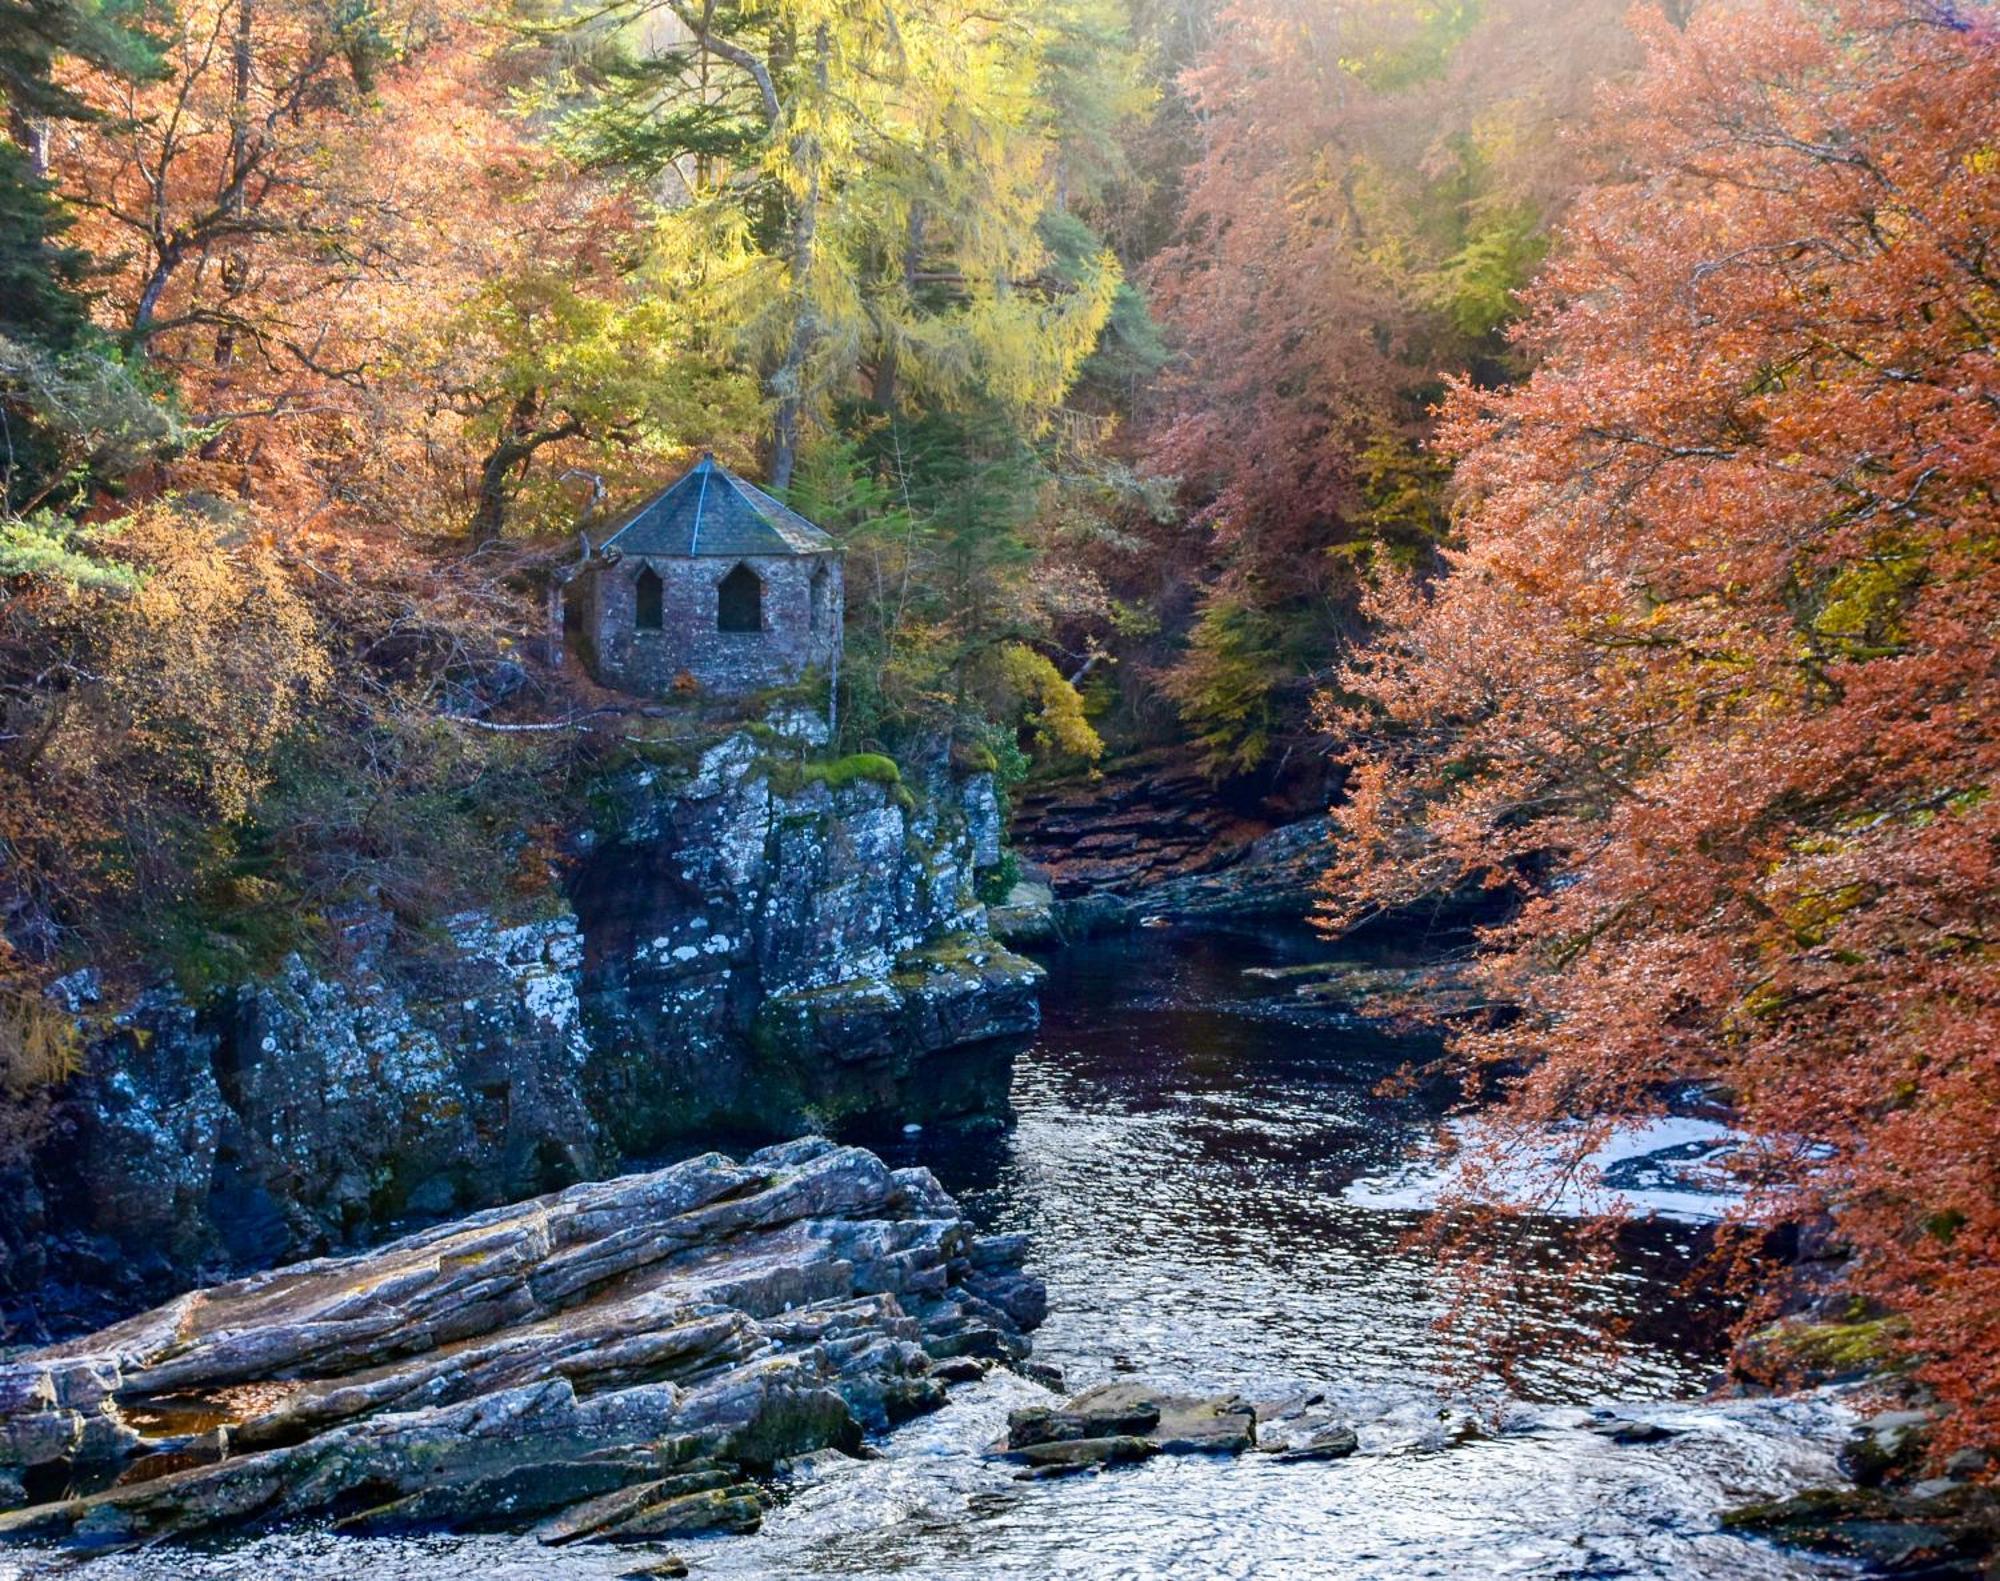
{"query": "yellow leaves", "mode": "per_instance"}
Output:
(1048, 705)
(915, 147)
(39, 1046)
(1025, 350)
(1860, 613)
(205, 667)
(1812, 918)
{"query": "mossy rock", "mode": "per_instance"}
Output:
(1828, 1351)
(838, 774)
(1933, 1534)
(974, 757)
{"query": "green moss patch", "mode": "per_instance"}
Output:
(1832, 1350)
(838, 774)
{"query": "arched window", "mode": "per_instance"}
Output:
(821, 586)
(651, 597)
(739, 601)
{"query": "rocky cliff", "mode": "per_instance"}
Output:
(1150, 838)
(743, 943)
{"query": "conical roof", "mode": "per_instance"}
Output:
(711, 511)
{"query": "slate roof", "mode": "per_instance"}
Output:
(711, 511)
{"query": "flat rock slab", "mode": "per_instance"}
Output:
(1629, 1430)
(1325, 1443)
(1079, 1453)
(615, 1362)
(1128, 1421)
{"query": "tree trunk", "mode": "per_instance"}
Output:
(235, 268)
(149, 299)
(31, 136)
(788, 384)
(490, 519)
(511, 453)
(913, 252)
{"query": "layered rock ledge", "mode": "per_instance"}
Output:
(617, 1361)
(1115, 1423)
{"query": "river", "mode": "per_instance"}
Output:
(1187, 1155)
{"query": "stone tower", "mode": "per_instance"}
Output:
(711, 586)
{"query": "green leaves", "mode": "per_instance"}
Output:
(73, 405)
(1504, 243)
(81, 414)
(50, 548)
(900, 175)
(1239, 686)
(36, 34)
(598, 358)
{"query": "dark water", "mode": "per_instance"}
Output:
(1185, 1144)
(1187, 1135)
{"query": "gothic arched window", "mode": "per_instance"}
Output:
(651, 597)
(821, 586)
(739, 601)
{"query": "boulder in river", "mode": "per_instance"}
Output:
(1942, 1529)
(1628, 1430)
(1427, 990)
(1127, 1421)
(1305, 1428)
(618, 1361)
(1334, 1442)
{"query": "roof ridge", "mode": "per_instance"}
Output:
(741, 487)
(754, 493)
(748, 520)
(706, 469)
(759, 493)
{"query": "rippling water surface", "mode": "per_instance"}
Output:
(1185, 1148)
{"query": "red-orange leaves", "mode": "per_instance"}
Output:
(1717, 662)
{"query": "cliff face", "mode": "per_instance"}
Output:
(730, 957)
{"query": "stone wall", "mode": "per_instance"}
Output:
(800, 632)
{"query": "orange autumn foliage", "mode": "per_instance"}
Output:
(1372, 180)
(293, 220)
(1354, 158)
(1714, 677)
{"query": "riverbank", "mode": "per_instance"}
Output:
(1148, 867)
(1187, 1135)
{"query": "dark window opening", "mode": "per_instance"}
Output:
(652, 600)
(821, 615)
(739, 601)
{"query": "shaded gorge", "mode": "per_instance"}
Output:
(1186, 1145)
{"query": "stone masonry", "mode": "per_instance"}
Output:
(712, 587)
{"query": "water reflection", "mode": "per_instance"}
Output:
(1186, 1138)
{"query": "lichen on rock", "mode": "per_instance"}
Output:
(724, 955)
